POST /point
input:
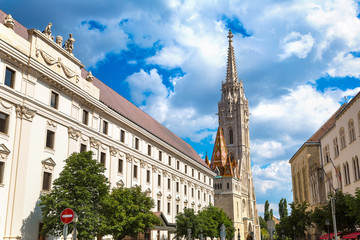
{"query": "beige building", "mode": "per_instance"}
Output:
(341, 149)
(50, 107)
(233, 185)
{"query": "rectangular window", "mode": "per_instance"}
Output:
(192, 192)
(199, 194)
(54, 100)
(82, 148)
(50, 137)
(169, 183)
(209, 181)
(169, 162)
(4, 122)
(120, 166)
(204, 178)
(85, 117)
(148, 176)
(209, 198)
(185, 189)
(159, 180)
(136, 143)
(135, 171)
(199, 175)
(158, 205)
(160, 155)
(205, 197)
(9, 78)
(177, 187)
(105, 127)
(103, 158)
(192, 172)
(149, 150)
(185, 169)
(2, 170)
(177, 208)
(122, 136)
(178, 165)
(46, 181)
(168, 208)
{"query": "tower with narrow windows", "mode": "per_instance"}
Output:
(233, 185)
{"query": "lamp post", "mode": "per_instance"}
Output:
(294, 231)
(75, 221)
(189, 233)
(239, 237)
(327, 222)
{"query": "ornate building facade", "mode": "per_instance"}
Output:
(50, 107)
(233, 185)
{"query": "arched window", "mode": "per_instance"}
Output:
(231, 136)
(342, 138)
(356, 168)
(351, 130)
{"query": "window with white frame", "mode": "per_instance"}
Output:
(85, 117)
(346, 173)
(50, 139)
(149, 150)
(105, 127)
(48, 166)
(342, 138)
(9, 77)
(122, 136)
(54, 99)
(160, 155)
(4, 122)
(351, 131)
(136, 144)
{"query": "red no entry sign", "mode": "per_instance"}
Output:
(67, 216)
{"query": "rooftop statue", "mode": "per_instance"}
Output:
(9, 21)
(69, 44)
(47, 31)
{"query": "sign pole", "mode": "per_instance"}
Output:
(65, 232)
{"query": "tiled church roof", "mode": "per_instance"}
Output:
(125, 108)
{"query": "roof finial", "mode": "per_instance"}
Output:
(230, 36)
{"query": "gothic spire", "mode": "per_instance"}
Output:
(231, 73)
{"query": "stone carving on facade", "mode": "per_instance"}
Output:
(165, 173)
(48, 164)
(5, 104)
(199, 205)
(185, 201)
(159, 194)
(24, 112)
(94, 143)
(120, 183)
(177, 198)
(113, 151)
(73, 133)
(182, 180)
(148, 191)
(59, 40)
(121, 153)
(129, 157)
(47, 31)
(51, 123)
(69, 44)
(169, 196)
(52, 61)
(142, 164)
(89, 77)
(4, 152)
(192, 203)
(154, 168)
(9, 21)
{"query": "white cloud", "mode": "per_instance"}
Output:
(168, 57)
(268, 149)
(297, 45)
(344, 64)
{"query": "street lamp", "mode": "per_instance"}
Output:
(189, 233)
(239, 237)
(327, 222)
(75, 221)
(294, 231)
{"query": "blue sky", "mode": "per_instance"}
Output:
(297, 59)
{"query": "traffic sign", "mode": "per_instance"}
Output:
(67, 216)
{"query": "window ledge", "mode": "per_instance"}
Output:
(2, 185)
(49, 150)
(4, 136)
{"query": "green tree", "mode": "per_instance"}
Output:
(345, 217)
(266, 211)
(128, 212)
(209, 220)
(82, 187)
(298, 219)
(271, 214)
(283, 211)
(354, 206)
(185, 220)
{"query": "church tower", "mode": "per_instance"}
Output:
(233, 185)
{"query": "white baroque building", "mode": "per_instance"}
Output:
(341, 149)
(50, 107)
